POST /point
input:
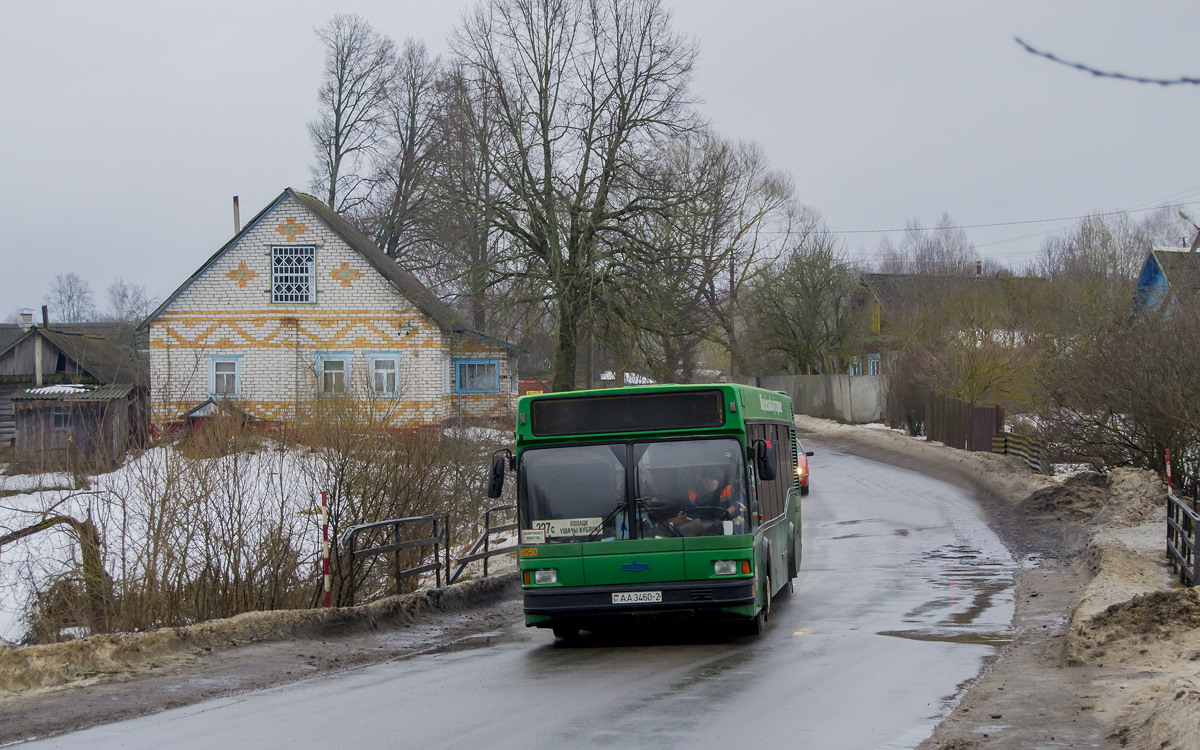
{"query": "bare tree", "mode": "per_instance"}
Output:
(70, 299)
(585, 95)
(943, 250)
(802, 308)
(1109, 247)
(128, 302)
(745, 216)
(407, 142)
(464, 184)
(353, 94)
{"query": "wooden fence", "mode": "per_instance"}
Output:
(958, 424)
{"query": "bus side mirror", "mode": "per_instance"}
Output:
(808, 453)
(496, 475)
(766, 461)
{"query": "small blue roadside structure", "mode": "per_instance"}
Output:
(1168, 275)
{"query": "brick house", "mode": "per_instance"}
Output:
(301, 305)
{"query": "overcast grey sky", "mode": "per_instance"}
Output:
(126, 128)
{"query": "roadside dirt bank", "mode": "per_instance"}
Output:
(1106, 650)
(47, 690)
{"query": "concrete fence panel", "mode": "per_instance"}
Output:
(851, 398)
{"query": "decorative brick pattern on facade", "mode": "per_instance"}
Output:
(366, 330)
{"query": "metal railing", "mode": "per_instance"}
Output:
(1030, 451)
(474, 554)
(1181, 540)
(438, 539)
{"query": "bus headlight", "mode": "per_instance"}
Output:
(724, 567)
(545, 575)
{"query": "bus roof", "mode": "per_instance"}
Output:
(738, 403)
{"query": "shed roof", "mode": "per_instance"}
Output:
(1181, 269)
(92, 351)
(407, 284)
(10, 333)
(65, 392)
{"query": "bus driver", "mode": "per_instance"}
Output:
(714, 492)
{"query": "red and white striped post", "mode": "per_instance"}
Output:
(325, 543)
(1169, 488)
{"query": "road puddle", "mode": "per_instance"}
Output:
(470, 643)
(973, 602)
(937, 636)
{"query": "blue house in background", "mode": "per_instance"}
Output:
(1168, 275)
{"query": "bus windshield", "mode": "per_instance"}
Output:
(681, 488)
(575, 493)
(691, 488)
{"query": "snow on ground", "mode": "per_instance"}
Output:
(22, 483)
(159, 493)
(161, 506)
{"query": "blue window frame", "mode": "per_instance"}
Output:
(225, 375)
(476, 376)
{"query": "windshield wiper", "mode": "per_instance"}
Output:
(603, 521)
(643, 504)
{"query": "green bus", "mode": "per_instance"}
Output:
(654, 501)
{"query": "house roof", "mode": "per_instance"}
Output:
(1181, 269)
(899, 290)
(11, 333)
(110, 392)
(96, 354)
(86, 345)
(407, 284)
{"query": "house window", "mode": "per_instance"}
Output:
(224, 377)
(873, 361)
(856, 366)
(331, 374)
(293, 273)
(62, 418)
(477, 376)
(385, 374)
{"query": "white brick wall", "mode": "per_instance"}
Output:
(278, 344)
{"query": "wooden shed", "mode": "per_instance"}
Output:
(66, 353)
(72, 427)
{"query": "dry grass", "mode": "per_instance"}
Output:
(223, 521)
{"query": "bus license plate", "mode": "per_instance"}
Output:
(637, 597)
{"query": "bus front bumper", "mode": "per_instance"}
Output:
(685, 597)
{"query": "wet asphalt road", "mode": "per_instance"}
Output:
(903, 594)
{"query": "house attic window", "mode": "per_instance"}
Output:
(293, 274)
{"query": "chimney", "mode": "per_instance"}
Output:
(978, 268)
(237, 216)
(45, 316)
(25, 318)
